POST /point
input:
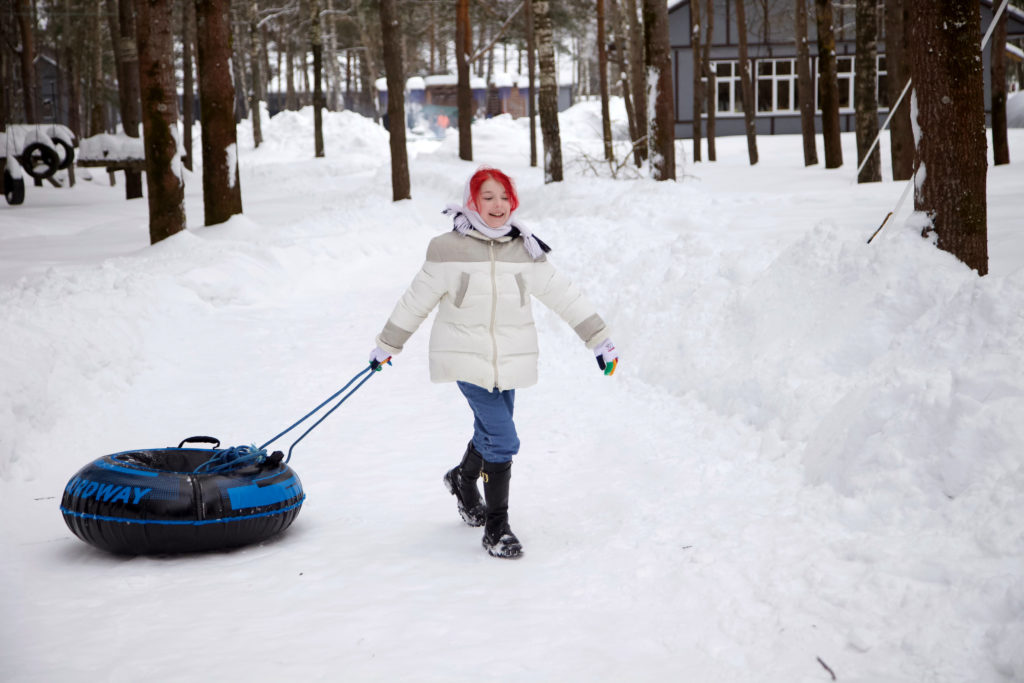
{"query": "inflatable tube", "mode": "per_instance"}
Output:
(153, 502)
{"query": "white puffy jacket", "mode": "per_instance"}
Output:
(484, 332)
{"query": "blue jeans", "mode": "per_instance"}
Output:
(494, 433)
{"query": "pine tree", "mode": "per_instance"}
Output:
(945, 48)
(166, 191)
(391, 33)
(222, 190)
(828, 84)
(548, 99)
(864, 84)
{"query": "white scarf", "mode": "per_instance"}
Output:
(466, 219)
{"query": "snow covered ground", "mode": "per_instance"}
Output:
(811, 454)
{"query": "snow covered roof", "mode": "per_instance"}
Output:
(441, 79)
(415, 83)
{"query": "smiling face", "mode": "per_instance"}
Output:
(492, 203)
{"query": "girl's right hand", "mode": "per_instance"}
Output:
(607, 356)
(379, 357)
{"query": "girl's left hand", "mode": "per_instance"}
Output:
(607, 356)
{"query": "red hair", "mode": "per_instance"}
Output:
(494, 174)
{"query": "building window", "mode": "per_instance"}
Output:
(883, 84)
(776, 85)
(727, 83)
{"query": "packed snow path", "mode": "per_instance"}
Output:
(811, 449)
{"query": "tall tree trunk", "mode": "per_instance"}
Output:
(30, 89)
(602, 67)
(698, 68)
(828, 84)
(256, 69)
(463, 50)
(865, 81)
(316, 42)
(638, 78)
(548, 93)
(621, 51)
(333, 71)
(155, 29)
(747, 84)
(97, 108)
(531, 67)
(711, 88)
(662, 110)
(291, 98)
(950, 105)
(805, 85)
(222, 190)
(121, 18)
(188, 39)
(897, 65)
(391, 33)
(1000, 146)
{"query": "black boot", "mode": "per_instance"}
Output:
(498, 540)
(461, 483)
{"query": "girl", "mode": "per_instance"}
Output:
(483, 274)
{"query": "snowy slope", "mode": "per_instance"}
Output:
(812, 448)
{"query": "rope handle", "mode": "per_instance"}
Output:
(368, 371)
(228, 459)
(200, 439)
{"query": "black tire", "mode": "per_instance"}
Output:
(39, 161)
(14, 189)
(69, 154)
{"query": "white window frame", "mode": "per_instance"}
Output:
(776, 79)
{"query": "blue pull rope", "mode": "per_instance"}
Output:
(233, 458)
(368, 371)
(328, 413)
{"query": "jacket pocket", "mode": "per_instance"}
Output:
(524, 297)
(460, 293)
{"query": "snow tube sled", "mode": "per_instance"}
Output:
(169, 501)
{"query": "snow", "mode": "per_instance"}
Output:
(812, 447)
(1015, 110)
(104, 146)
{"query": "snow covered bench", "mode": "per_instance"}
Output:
(114, 152)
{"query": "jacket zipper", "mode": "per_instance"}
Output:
(494, 313)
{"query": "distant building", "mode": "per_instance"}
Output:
(772, 49)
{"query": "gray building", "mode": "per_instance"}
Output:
(772, 49)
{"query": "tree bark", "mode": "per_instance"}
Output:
(97, 90)
(391, 33)
(291, 97)
(864, 84)
(256, 71)
(639, 79)
(621, 51)
(698, 68)
(746, 83)
(662, 110)
(1000, 145)
(602, 68)
(121, 18)
(711, 89)
(950, 112)
(222, 191)
(316, 42)
(531, 66)
(828, 84)
(897, 65)
(188, 103)
(155, 34)
(464, 96)
(805, 85)
(30, 89)
(548, 93)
